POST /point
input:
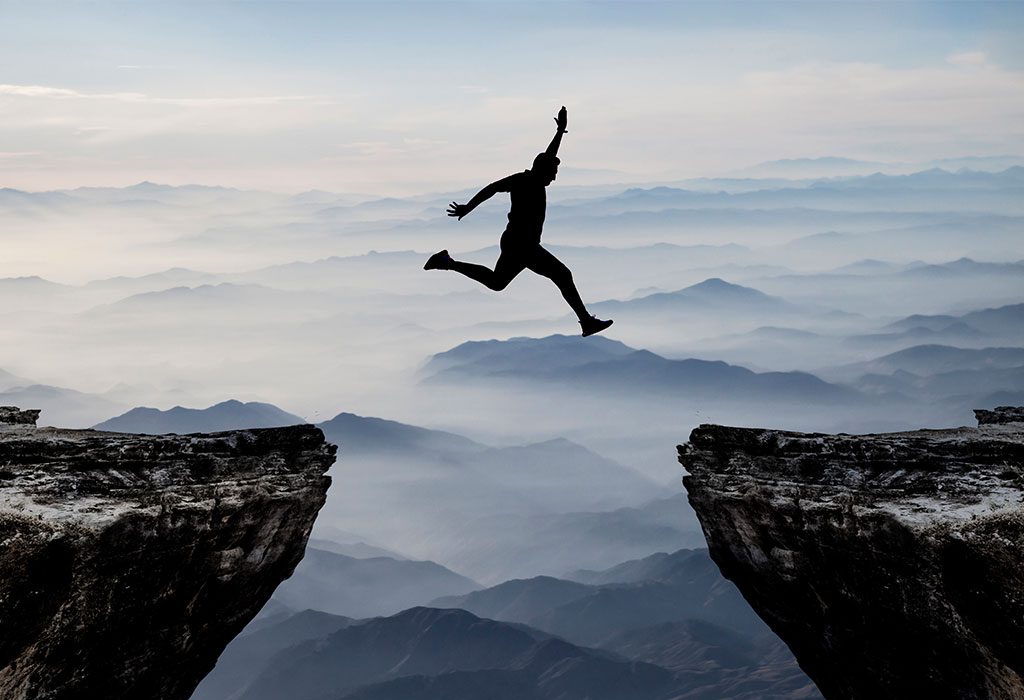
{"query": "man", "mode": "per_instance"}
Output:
(520, 243)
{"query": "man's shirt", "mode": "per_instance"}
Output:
(526, 217)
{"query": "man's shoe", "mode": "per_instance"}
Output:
(594, 325)
(439, 261)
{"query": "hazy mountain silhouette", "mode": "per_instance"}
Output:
(517, 354)
(964, 386)
(61, 407)
(496, 547)
(343, 585)
(227, 415)
(955, 333)
(376, 435)
(933, 359)
(460, 474)
(427, 653)
(247, 653)
(9, 381)
(660, 566)
(719, 662)
(1002, 321)
(356, 550)
(635, 372)
(712, 296)
(683, 585)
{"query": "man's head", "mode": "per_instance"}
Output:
(545, 167)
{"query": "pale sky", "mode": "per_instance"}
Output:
(406, 97)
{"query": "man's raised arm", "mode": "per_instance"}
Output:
(562, 121)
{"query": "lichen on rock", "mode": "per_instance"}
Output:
(128, 562)
(890, 563)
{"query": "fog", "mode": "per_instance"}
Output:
(794, 295)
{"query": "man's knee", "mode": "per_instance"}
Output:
(499, 283)
(561, 276)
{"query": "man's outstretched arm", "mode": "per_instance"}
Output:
(460, 210)
(562, 121)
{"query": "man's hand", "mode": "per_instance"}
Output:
(562, 120)
(459, 210)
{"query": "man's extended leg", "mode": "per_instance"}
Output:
(505, 270)
(544, 263)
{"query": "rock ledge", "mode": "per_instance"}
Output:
(128, 562)
(891, 563)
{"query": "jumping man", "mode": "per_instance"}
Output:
(520, 243)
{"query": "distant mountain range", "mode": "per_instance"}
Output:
(577, 364)
(686, 585)
(61, 407)
(427, 653)
(505, 545)
(712, 296)
(452, 654)
(459, 498)
(9, 381)
(1000, 322)
(256, 645)
(934, 359)
(227, 415)
(343, 585)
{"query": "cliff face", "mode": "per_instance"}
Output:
(891, 564)
(128, 562)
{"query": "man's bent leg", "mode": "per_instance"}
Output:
(505, 270)
(544, 263)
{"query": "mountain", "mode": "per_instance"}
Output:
(719, 662)
(343, 585)
(443, 470)
(500, 546)
(167, 279)
(356, 550)
(9, 381)
(518, 354)
(636, 371)
(517, 600)
(684, 585)
(377, 435)
(712, 296)
(427, 653)
(1002, 322)
(227, 415)
(257, 644)
(933, 359)
(60, 406)
(823, 166)
(206, 299)
(657, 567)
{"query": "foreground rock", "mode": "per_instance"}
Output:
(891, 564)
(128, 562)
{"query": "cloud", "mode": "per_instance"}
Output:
(968, 58)
(45, 91)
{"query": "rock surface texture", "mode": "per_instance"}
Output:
(128, 562)
(892, 564)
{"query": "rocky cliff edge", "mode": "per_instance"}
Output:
(892, 564)
(128, 562)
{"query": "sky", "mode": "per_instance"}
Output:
(407, 97)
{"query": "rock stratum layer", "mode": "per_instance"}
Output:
(128, 562)
(891, 563)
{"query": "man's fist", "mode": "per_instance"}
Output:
(562, 119)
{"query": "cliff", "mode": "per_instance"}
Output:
(128, 562)
(891, 564)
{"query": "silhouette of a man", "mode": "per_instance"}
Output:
(520, 243)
